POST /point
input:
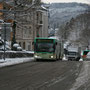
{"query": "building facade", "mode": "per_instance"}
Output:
(32, 23)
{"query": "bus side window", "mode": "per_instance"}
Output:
(55, 45)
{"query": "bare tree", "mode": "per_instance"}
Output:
(77, 29)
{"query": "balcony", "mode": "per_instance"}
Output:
(40, 23)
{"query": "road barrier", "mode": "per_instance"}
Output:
(15, 54)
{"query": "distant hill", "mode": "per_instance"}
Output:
(63, 12)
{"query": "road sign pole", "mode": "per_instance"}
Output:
(4, 41)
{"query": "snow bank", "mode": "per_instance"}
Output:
(8, 61)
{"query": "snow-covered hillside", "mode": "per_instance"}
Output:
(63, 12)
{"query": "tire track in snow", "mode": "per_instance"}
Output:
(83, 76)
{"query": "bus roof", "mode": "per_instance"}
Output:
(44, 38)
(87, 50)
(55, 40)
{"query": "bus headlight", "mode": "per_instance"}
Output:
(51, 56)
(35, 56)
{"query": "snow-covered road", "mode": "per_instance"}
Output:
(12, 61)
(84, 78)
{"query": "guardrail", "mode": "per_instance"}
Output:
(16, 54)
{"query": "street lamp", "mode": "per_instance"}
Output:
(4, 40)
(14, 33)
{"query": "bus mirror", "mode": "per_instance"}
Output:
(55, 46)
(56, 43)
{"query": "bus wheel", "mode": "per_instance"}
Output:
(56, 58)
(37, 59)
(59, 56)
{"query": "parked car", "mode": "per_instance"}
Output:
(2, 48)
(1, 21)
(16, 47)
(19, 49)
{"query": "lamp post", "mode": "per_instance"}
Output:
(14, 33)
(14, 26)
(4, 40)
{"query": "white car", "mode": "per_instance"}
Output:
(17, 47)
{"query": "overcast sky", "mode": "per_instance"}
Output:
(80, 1)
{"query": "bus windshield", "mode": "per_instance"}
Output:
(44, 47)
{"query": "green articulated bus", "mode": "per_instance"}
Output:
(48, 49)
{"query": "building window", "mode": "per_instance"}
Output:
(37, 14)
(29, 46)
(29, 32)
(25, 31)
(30, 27)
(23, 45)
(20, 43)
(41, 22)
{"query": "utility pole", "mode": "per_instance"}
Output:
(14, 32)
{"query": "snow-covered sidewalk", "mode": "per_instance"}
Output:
(12, 61)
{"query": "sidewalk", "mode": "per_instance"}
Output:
(13, 61)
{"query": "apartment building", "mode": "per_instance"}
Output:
(31, 23)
